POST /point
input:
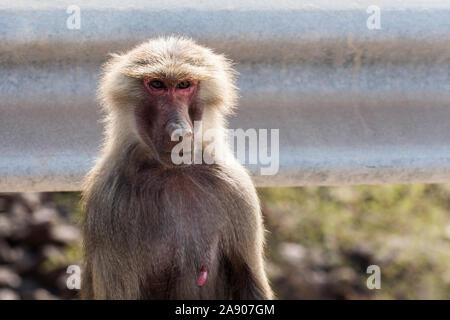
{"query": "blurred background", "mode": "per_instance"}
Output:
(320, 241)
(360, 90)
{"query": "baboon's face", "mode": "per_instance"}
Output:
(167, 113)
(154, 93)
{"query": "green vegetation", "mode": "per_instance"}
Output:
(404, 229)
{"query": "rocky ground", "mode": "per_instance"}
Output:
(33, 233)
(320, 242)
(36, 235)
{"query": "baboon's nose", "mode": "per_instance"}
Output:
(177, 131)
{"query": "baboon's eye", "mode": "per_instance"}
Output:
(183, 84)
(156, 84)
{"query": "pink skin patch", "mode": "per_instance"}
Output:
(203, 275)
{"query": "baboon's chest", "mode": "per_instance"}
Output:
(190, 221)
(187, 240)
(187, 220)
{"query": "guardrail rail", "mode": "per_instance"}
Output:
(354, 104)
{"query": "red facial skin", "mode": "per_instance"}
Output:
(169, 104)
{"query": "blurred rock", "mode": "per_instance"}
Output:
(47, 214)
(6, 227)
(6, 253)
(292, 252)
(42, 294)
(9, 278)
(314, 273)
(8, 294)
(33, 200)
(19, 210)
(65, 233)
(33, 232)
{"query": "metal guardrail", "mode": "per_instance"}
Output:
(354, 105)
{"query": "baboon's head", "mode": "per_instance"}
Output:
(156, 91)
